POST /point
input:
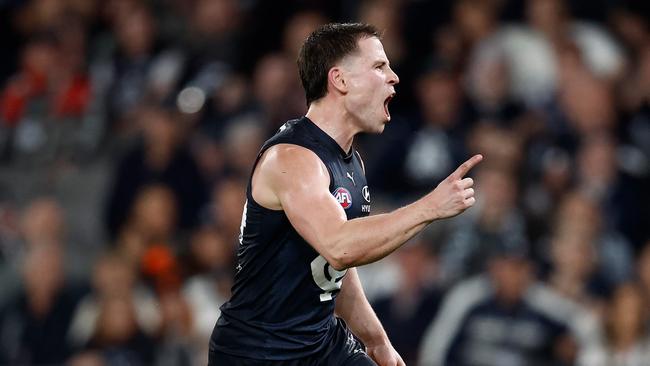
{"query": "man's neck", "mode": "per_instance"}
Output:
(335, 121)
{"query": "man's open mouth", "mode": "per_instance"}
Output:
(386, 102)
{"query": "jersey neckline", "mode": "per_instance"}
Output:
(327, 140)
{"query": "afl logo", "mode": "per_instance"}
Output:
(344, 197)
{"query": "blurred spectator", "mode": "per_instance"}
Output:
(531, 50)
(118, 338)
(406, 313)
(113, 277)
(210, 46)
(209, 251)
(148, 239)
(227, 206)
(209, 285)
(503, 145)
(599, 176)
(41, 224)
(643, 273)
(42, 107)
(475, 20)
(488, 87)
(587, 260)
(495, 220)
(547, 184)
(88, 358)
(586, 101)
(574, 268)
(502, 318)
(174, 347)
(634, 98)
(277, 90)
(215, 34)
(160, 158)
(128, 67)
(11, 248)
(241, 143)
(629, 22)
(387, 16)
(35, 323)
(298, 28)
(627, 341)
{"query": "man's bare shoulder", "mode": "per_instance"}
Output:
(287, 169)
(288, 161)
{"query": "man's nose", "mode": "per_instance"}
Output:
(393, 79)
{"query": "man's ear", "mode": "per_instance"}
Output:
(336, 78)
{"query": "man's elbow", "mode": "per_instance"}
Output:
(341, 259)
(339, 264)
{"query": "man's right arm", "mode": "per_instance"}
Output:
(294, 179)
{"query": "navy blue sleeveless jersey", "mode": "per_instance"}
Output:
(282, 304)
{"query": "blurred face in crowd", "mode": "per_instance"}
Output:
(43, 275)
(417, 263)
(228, 197)
(298, 29)
(243, 139)
(573, 249)
(439, 98)
(556, 165)
(39, 57)
(43, 222)
(116, 323)
(546, 15)
(475, 19)
(215, 17)
(448, 43)
(113, 276)
(489, 82)
(502, 145)
(272, 81)
(573, 254)
(511, 276)
(386, 15)
(210, 250)
(155, 212)
(369, 85)
(87, 358)
(630, 27)
(597, 166)
(162, 135)
(579, 214)
(134, 28)
(586, 101)
(626, 315)
(498, 191)
(72, 41)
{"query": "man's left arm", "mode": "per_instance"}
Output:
(354, 308)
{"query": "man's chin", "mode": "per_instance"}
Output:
(380, 128)
(377, 127)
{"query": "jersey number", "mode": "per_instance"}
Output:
(326, 277)
(241, 235)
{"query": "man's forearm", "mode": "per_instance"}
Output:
(369, 239)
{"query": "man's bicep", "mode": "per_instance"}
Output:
(301, 183)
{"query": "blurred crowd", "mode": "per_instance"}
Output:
(128, 129)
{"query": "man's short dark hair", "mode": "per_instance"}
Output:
(323, 48)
